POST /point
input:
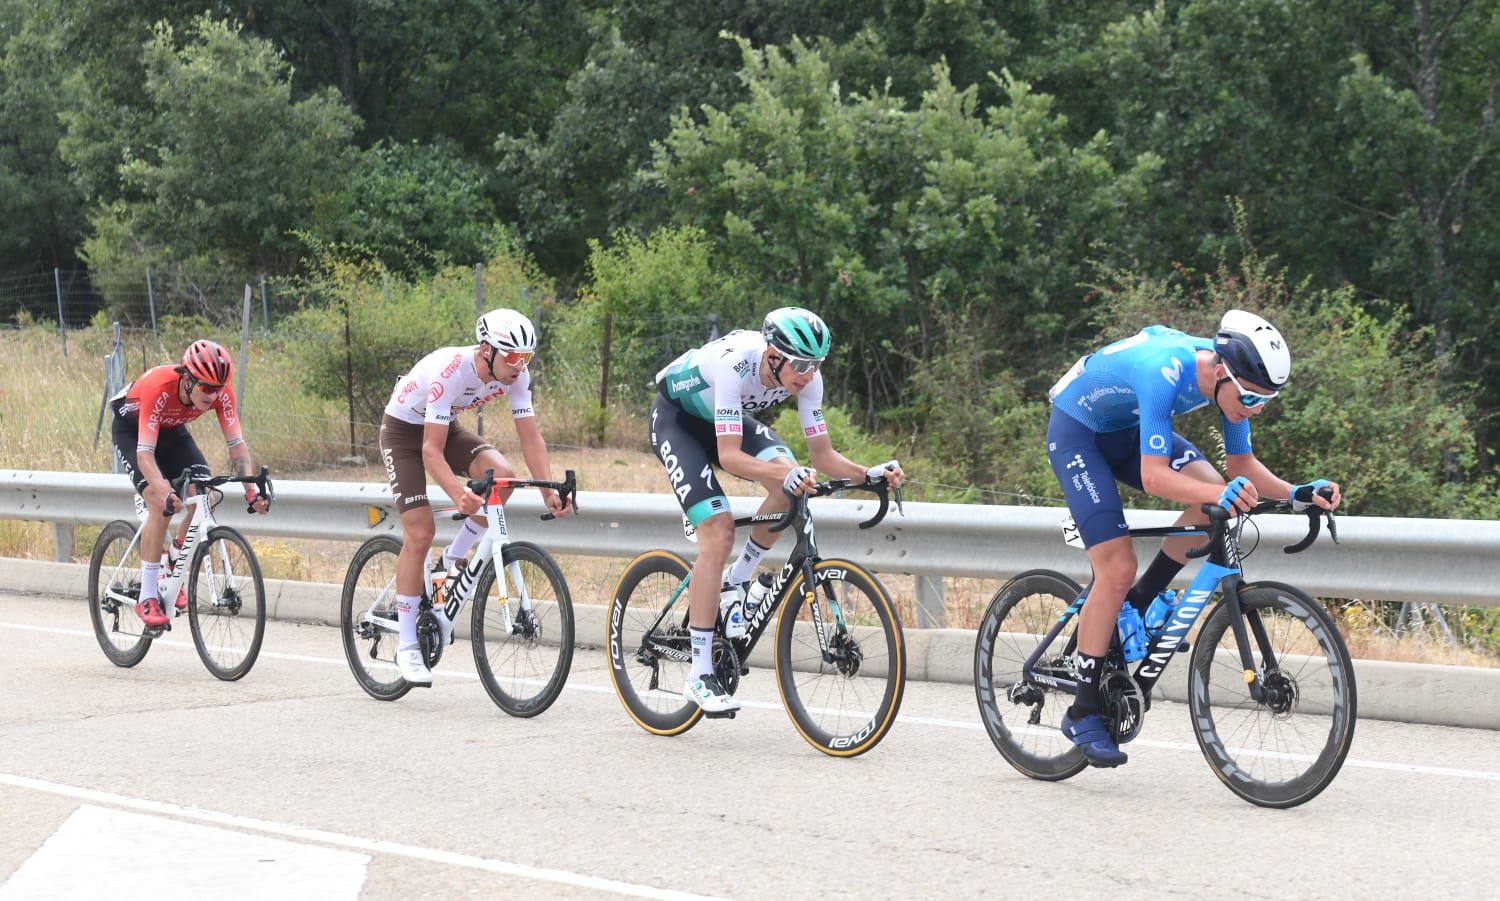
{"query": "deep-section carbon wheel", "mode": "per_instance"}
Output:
(1024, 720)
(844, 700)
(226, 603)
(523, 639)
(114, 588)
(1285, 749)
(650, 655)
(367, 618)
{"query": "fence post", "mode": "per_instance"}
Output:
(479, 311)
(609, 329)
(349, 366)
(265, 312)
(244, 347)
(151, 300)
(62, 328)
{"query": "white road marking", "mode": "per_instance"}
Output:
(101, 852)
(176, 853)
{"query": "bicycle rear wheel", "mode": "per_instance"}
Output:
(1024, 720)
(367, 619)
(1284, 750)
(649, 661)
(114, 588)
(523, 645)
(226, 603)
(846, 701)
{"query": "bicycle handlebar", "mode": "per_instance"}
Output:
(567, 489)
(1219, 519)
(193, 476)
(880, 489)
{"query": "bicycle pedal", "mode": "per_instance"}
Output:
(721, 715)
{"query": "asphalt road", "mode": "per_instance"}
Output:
(162, 781)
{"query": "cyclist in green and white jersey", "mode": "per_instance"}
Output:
(702, 418)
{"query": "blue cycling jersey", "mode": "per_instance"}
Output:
(1144, 381)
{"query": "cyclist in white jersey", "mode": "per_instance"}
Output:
(701, 419)
(420, 435)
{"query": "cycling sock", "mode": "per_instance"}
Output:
(406, 615)
(149, 572)
(1086, 703)
(744, 568)
(1153, 581)
(703, 649)
(468, 533)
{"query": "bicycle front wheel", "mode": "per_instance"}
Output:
(1283, 750)
(226, 603)
(523, 642)
(114, 589)
(844, 699)
(1023, 719)
(367, 619)
(650, 656)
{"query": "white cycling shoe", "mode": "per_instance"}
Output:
(413, 668)
(708, 693)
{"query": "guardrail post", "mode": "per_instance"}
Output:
(62, 536)
(930, 611)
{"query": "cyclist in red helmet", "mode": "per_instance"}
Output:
(154, 446)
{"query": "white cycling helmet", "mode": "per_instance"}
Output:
(1253, 349)
(507, 331)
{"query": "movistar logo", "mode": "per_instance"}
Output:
(1173, 373)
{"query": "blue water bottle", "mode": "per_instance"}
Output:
(1160, 611)
(1132, 633)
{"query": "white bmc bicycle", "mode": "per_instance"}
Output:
(521, 629)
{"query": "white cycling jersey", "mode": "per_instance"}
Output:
(720, 382)
(445, 383)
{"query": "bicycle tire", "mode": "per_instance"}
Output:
(226, 603)
(117, 558)
(1025, 721)
(523, 669)
(370, 584)
(846, 706)
(1284, 752)
(654, 701)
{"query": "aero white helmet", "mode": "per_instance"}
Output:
(507, 331)
(1253, 349)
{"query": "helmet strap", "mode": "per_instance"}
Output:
(776, 367)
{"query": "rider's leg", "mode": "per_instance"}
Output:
(1172, 557)
(481, 456)
(715, 535)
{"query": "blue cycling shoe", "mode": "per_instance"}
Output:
(1093, 740)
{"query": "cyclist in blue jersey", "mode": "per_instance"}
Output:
(1112, 420)
(702, 418)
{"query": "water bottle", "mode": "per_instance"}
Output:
(760, 592)
(1160, 611)
(1132, 633)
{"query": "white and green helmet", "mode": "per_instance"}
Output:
(797, 333)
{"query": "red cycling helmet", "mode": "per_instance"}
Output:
(208, 363)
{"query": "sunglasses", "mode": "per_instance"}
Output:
(1250, 399)
(517, 358)
(208, 387)
(801, 366)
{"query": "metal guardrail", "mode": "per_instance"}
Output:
(1424, 561)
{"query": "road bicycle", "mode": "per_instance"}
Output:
(223, 594)
(1271, 687)
(521, 630)
(840, 656)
